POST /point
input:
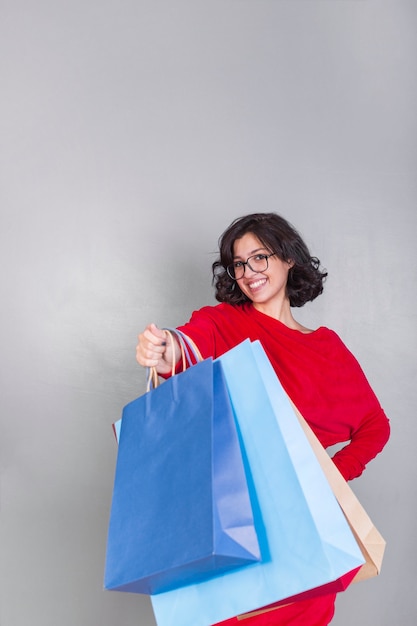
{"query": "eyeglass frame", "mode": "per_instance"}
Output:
(244, 263)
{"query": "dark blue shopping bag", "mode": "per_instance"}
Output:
(180, 509)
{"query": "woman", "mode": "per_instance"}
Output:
(264, 270)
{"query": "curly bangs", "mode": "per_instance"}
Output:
(305, 278)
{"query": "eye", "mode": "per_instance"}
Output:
(237, 264)
(260, 257)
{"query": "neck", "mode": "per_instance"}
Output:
(282, 313)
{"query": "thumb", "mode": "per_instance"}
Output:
(157, 332)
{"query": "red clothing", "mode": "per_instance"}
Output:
(328, 386)
(317, 612)
(318, 372)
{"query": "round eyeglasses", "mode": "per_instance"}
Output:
(256, 263)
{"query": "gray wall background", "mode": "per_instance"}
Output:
(132, 133)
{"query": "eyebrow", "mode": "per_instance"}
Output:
(250, 254)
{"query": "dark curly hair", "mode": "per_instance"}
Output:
(305, 278)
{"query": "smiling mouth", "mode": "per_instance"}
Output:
(257, 283)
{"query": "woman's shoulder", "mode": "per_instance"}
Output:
(223, 309)
(327, 335)
(331, 343)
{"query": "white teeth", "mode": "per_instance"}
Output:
(257, 284)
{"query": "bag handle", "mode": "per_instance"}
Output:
(187, 347)
(186, 344)
(152, 378)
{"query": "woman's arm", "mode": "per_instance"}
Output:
(366, 442)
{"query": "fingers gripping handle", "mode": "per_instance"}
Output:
(187, 347)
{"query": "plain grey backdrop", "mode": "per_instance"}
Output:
(132, 134)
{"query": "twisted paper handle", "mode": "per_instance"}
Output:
(187, 347)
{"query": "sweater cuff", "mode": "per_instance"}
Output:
(348, 466)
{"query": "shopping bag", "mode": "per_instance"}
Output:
(370, 541)
(304, 537)
(180, 508)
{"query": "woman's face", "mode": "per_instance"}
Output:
(263, 288)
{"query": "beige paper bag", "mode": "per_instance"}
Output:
(369, 539)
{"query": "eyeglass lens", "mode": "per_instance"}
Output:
(257, 263)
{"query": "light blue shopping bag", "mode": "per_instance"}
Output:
(304, 537)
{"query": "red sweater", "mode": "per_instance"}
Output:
(318, 372)
(326, 383)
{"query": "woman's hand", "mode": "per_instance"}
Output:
(155, 349)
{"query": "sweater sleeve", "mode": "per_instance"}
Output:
(367, 440)
(361, 411)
